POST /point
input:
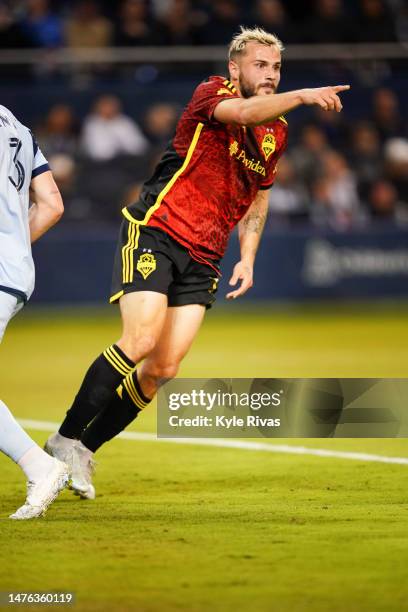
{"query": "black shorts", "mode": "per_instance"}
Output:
(148, 259)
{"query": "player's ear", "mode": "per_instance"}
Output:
(233, 70)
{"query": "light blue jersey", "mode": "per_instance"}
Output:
(20, 161)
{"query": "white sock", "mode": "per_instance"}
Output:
(36, 464)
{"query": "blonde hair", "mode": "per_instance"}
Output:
(258, 35)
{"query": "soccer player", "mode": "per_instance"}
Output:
(216, 173)
(23, 168)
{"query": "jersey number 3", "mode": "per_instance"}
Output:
(15, 143)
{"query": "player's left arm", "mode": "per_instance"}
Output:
(250, 230)
(47, 206)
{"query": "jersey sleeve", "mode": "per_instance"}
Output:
(208, 95)
(282, 143)
(40, 164)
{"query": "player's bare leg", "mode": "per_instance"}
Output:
(180, 328)
(143, 316)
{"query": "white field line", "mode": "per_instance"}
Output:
(239, 444)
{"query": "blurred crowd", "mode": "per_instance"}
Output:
(343, 174)
(337, 173)
(100, 161)
(346, 174)
(99, 23)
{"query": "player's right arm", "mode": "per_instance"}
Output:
(263, 109)
(47, 206)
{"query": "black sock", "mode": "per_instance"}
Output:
(123, 408)
(96, 390)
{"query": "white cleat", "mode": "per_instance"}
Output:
(83, 468)
(79, 460)
(41, 494)
(61, 448)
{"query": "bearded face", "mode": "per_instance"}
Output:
(257, 70)
(249, 89)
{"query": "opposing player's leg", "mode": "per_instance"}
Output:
(139, 387)
(46, 476)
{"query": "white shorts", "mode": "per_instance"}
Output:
(9, 306)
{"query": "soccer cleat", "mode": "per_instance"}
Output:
(83, 468)
(61, 448)
(41, 494)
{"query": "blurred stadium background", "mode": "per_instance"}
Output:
(102, 84)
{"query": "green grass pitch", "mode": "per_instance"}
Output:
(189, 528)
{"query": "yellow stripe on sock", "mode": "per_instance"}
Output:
(131, 394)
(120, 358)
(118, 367)
(132, 383)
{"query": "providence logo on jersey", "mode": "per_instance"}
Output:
(253, 165)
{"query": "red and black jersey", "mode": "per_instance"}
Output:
(209, 175)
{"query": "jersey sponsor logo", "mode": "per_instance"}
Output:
(146, 264)
(224, 91)
(240, 155)
(268, 145)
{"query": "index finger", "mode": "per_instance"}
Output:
(233, 294)
(243, 288)
(338, 88)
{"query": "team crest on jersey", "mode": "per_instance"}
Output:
(268, 145)
(146, 264)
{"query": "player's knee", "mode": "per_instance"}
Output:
(145, 343)
(138, 346)
(169, 371)
(161, 371)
